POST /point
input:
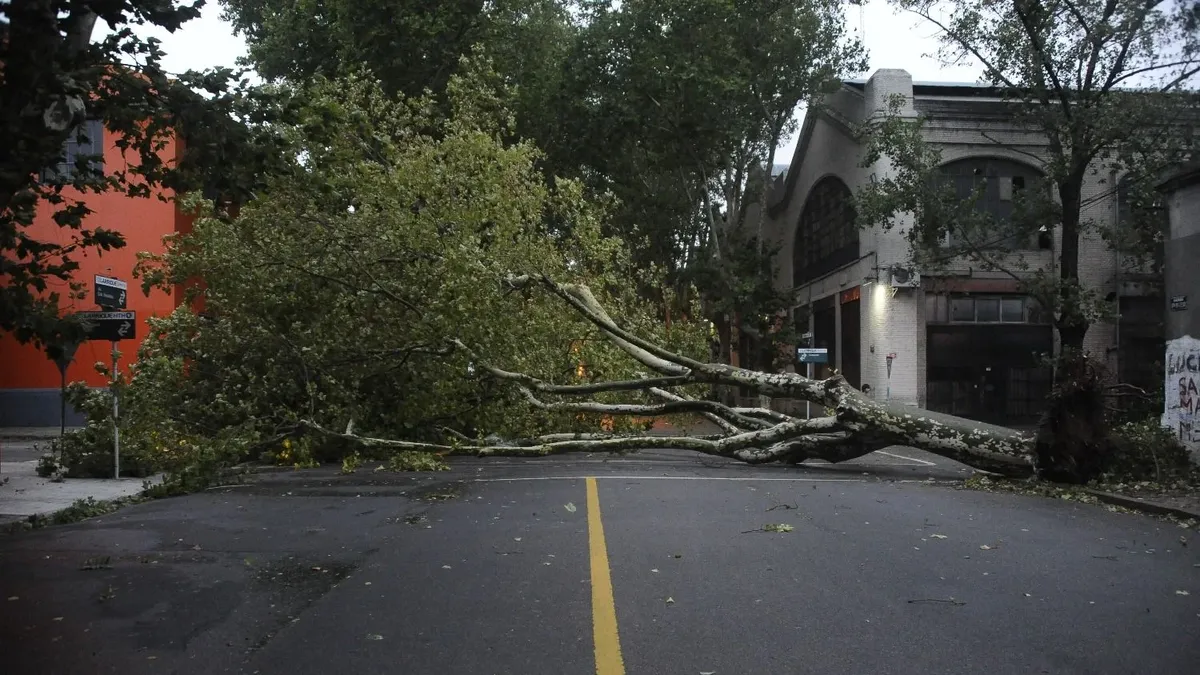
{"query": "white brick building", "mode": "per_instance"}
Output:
(964, 341)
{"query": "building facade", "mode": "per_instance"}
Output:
(29, 379)
(1181, 400)
(959, 340)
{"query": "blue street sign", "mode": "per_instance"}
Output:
(818, 355)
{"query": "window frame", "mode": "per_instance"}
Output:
(940, 309)
(967, 173)
(64, 171)
(827, 235)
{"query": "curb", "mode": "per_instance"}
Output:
(1144, 505)
(8, 434)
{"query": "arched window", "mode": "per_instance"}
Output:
(1002, 181)
(827, 235)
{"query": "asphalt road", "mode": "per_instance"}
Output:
(500, 567)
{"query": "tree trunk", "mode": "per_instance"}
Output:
(854, 425)
(1072, 439)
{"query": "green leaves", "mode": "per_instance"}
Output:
(332, 296)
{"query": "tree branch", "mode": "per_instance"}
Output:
(648, 410)
(723, 416)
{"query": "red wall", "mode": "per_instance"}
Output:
(143, 222)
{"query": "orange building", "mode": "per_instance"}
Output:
(29, 380)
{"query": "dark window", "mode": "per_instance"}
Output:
(987, 310)
(962, 309)
(984, 309)
(1012, 310)
(86, 143)
(827, 234)
(998, 182)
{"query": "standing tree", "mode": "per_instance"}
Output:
(1105, 87)
(680, 107)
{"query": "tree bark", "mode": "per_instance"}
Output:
(852, 427)
(1072, 443)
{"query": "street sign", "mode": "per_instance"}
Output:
(110, 326)
(109, 292)
(1178, 303)
(817, 355)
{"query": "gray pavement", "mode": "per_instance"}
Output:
(23, 493)
(487, 569)
(23, 448)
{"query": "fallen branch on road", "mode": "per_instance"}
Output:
(855, 425)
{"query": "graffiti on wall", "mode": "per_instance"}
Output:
(1181, 412)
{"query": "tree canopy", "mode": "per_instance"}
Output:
(668, 107)
(54, 79)
(336, 294)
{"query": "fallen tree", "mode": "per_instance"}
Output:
(853, 426)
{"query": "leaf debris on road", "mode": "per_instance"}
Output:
(772, 527)
(947, 601)
(97, 563)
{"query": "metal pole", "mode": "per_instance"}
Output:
(116, 429)
(808, 404)
(62, 404)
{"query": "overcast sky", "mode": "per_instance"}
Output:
(893, 41)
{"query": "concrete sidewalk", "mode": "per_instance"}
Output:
(23, 493)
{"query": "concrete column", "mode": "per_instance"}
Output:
(893, 318)
(1181, 410)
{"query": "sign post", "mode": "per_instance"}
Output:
(62, 354)
(809, 356)
(890, 357)
(112, 327)
(109, 326)
(109, 293)
(116, 428)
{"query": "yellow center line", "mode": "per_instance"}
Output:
(604, 610)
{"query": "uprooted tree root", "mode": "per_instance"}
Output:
(856, 427)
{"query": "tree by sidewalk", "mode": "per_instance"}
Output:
(1106, 87)
(677, 110)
